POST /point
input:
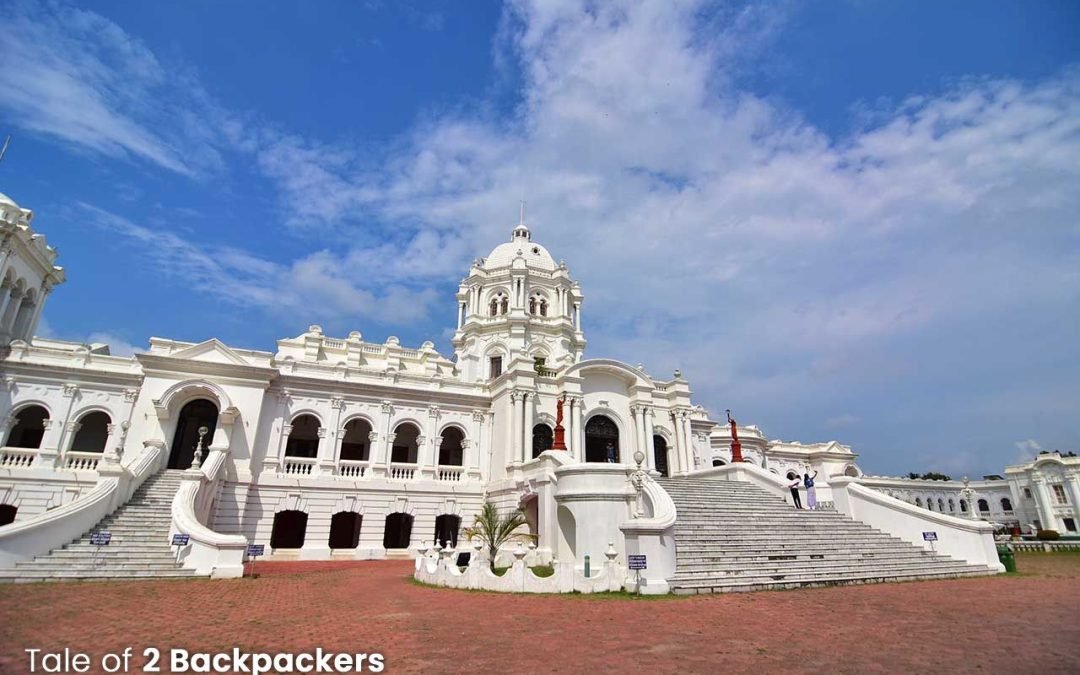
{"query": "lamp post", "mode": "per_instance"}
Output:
(196, 462)
(637, 479)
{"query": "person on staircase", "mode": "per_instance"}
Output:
(794, 486)
(811, 493)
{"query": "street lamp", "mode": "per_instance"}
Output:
(197, 461)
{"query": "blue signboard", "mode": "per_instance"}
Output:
(929, 536)
(636, 562)
(101, 538)
(255, 549)
(180, 539)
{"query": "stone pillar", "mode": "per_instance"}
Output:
(579, 428)
(429, 452)
(1045, 502)
(7, 319)
(272, 461)
(688, 434)
(529, 401)
(475, 447)
(5, 297)
(511, 408)
(681, 452)
(650, 441)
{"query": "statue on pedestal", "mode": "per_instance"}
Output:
(736, 447)
(560, 432)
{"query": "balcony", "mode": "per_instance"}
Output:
(401, 471)
(82, 461)
(351, 468)
(17, 458)
(298, 466)
(449, 474)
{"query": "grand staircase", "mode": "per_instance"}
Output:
(736, 536)
(139, 548)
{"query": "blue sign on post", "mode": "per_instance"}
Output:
(255, 550)
(181, 539)
(636, 562)
(929, 536)
(101, 538)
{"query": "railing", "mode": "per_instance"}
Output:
(546, 372)
(17, 458)
(298, 466)
(372, 349)
(410, 353)
(450, 474)
(82, 461)
(333, 344)
(402, 471)
(351, 468)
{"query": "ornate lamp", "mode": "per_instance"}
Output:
(197, 461)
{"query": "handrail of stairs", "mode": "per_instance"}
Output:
(64, 524)
(208, 552)
(958, 538)
(652, 535)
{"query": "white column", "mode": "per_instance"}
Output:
(1046, 504)
(650, 441)
(514, 451)
(431, 451)
(526, 436)
(1073, 483)
(330, 438)
(688, 434)
(579, 428)
(7, 319)
(5, 297)
(511, 407)
(382, 465)
(682, 452)
(286, 429)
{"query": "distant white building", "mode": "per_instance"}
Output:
(342, 447)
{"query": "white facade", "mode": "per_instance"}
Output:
(342, 447)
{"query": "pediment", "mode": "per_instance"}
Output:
(211, 351)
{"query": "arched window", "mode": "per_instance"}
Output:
(92, 434)
(660, 452)
(918, 502)
(532, 306)
(493, 307)
(345, 530)
(354, 444)
(1006, 504)
(542, 439)
(543, 307)
(451, 447)
(718, 462)
(7, 513)
(304, 437)
(963, 506)
(290, 527)
(504, 305)
(952, 506)
(941, 505)
(398, 531)
(601, 440)
(984, 506)
(446, 530)
(29, 427)
(406, 444)
(929, 504)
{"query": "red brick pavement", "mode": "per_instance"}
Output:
(1017, 624)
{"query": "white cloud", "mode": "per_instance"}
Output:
(1028, 449)
(117, 346)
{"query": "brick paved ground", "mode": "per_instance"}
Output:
(1024, 623)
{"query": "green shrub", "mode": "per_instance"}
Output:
(1047, 535)
(543, 570)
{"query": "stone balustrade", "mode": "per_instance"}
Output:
(450, 474)
(350, 468)
(298, 466)
(82, 461)
(17, 458)
(400, 471)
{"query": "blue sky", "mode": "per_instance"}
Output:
(851, 220)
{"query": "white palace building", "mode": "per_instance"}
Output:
(344, 448)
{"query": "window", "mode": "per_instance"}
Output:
(1059, 494)
(984, 506)
(1027, 493)
(1006, 504)
(495, 366)
(1070, 524)
(963, 506)
(952, 506)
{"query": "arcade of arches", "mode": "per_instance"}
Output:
(354, 444)
(451, 450)
(93, 432)
(29, 428)
(194, 414)
(406, 444)
(303, 437)
(290, 529)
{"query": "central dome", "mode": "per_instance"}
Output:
(535, 255)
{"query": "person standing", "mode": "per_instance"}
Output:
(811, 493)
(611, 452)
(794, 486)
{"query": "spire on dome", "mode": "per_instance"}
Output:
(521, 231)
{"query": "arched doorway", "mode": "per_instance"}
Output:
(660, 455)
(92, 434)
(198, 413)
(543, 439)
(290, 527)
(446, 530)
(450, 450)
(7, 513)
(303, 439)
(345, 530)
(29, 428)
(601, 439)
(398, 531)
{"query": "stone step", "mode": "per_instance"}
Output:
(103, 575)
(795, 554)
(810, 567)
(720, 586)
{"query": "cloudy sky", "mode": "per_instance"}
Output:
(854, 219)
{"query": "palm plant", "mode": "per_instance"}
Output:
(495, 530)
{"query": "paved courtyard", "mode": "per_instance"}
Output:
(934, 626)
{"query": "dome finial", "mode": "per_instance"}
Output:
(521, 230)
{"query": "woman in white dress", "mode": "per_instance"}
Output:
(811, 493)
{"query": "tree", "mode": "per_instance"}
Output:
(495, 530)
(931, 475)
